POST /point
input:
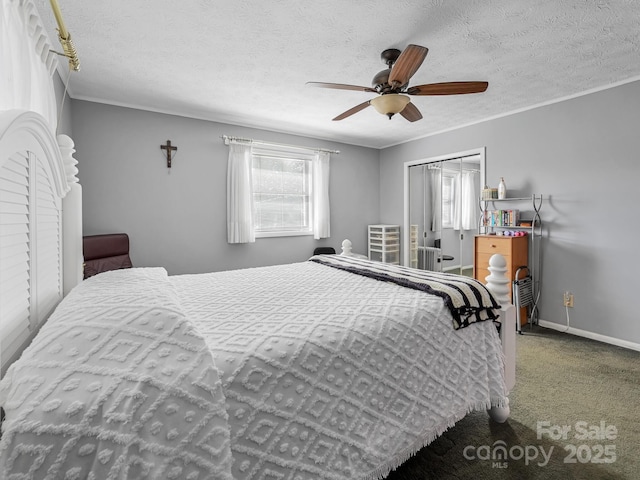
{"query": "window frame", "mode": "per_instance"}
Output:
(451, 201)
(283, 154)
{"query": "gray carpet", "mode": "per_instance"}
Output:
(561, 380)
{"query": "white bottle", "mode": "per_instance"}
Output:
(502, 189)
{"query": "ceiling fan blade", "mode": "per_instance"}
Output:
(448, 88)
(341, 86)
(411, 112)
(406, 65)
(352, 110)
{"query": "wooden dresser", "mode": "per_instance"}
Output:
(515, 250)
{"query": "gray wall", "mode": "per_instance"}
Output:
(583, 155)
(177, 218)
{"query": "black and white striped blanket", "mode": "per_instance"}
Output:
(468, 300)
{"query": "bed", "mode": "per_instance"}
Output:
(332, 368)
(301, 371)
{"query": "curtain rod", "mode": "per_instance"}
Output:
(227, 139)
(69, 50)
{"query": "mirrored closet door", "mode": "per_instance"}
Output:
(442, 211)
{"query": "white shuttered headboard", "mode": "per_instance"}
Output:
(32, 185)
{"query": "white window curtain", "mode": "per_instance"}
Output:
(435, 186)
(26, 62)
(321, 216)
(239, 195)
(465, 202)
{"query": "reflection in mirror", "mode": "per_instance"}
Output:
(441, 209)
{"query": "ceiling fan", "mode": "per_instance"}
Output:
(392, 85)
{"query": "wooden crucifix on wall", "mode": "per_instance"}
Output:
(169, 148)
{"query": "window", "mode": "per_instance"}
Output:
(448, 198)
(282, 194)
(276, 190)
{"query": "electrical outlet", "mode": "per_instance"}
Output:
(568, 299)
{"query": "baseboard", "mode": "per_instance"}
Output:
(593, 336)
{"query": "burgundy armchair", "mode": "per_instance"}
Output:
(105, 252)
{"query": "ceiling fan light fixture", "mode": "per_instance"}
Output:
(390, 103)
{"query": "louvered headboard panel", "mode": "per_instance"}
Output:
(32, 185)
(15, 268)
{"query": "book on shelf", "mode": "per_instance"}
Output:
(501, 218)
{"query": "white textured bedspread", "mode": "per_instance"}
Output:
(116, 385)
(331, 375)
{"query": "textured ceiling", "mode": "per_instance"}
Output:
(246, 62)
